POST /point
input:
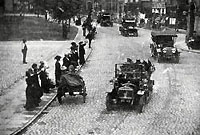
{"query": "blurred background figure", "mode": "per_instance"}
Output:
(57, 69)
(24, 50)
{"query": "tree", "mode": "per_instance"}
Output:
(63, 11)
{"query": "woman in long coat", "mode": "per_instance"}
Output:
(30, 99)
(38, 90)
(44, 77)
(81, 53)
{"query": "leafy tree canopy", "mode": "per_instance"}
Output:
(64, 9)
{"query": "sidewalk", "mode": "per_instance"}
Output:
(13, 115)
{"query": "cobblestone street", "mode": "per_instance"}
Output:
(174, 108)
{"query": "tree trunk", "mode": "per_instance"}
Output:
(191, 19)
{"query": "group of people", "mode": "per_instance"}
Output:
(38, 82)
(75, 57)
(87, 25)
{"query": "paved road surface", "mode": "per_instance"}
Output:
(173, 110)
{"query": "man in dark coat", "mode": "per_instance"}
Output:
(74, 57)
(57, 69)
(89, 37)
(81, 53)
(66, 61)
(84, 28)
(24, 51)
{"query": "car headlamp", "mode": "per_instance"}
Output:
(158, 50)
(164, 51)
(140, 92)
(173, 50)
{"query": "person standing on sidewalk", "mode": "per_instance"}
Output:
(30, 91)
(57, 69)
(89, 37)
(84, 28)
(38, 93)
(81, 52)
(24, 50)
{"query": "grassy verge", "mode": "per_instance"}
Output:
(14, 28)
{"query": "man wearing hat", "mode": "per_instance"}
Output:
(24, 50)
(74, 57)
(89, 37)
(74, 45)
(81, 52)
(66, 61)
(57, 69)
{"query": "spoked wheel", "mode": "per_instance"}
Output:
(141, 104)
(84, 94)
(159, 59)
(59, 99)
(59, 95)
(108, 102)
(176, 59)
(135, 34)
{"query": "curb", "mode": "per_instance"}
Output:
(22, 129)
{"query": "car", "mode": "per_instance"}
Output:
(106, 20)
(132, 86)
(127, 28)
(71, 83)
(193, 42)
(162, 46)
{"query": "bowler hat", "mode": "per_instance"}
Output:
(24, 40)
(57, 57)
(80, 43)
(34, 65)
(73, 43)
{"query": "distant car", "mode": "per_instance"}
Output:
(132, 86)
(163, 47)
(106, 20)
(127, 28)
(193, 42)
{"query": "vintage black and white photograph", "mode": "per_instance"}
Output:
(99, 67)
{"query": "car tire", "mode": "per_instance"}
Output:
(108, 102)
(159, 60)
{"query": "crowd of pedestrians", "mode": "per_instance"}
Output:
(75, 57)
(37, 78)
(88, 26)
(38, 82)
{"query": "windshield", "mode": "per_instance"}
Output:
(167, 41)
(126, 24)
(106, 17)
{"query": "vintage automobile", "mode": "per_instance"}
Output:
(193, 42)
(162, 47)
(106, 20)
(71, 83)
(127, 28)
(132, 86)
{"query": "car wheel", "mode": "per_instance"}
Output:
(84, 94)
(108, 102)
(141, 104)
(177, 59)
(159, 59)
